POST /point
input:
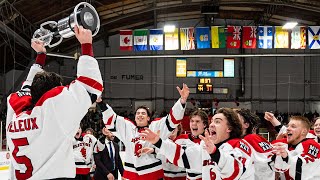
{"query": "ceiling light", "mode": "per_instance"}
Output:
(289, 25)
(169, 28)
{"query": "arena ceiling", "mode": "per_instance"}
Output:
(20, 18)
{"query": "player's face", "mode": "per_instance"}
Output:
(174, 134)
(219, 128)
(317, 127)
(108, 134)
(142, 117)
(196, 125)
(296, 132)
(244, 125)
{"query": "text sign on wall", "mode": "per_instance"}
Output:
(228, 67)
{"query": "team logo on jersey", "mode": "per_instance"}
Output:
(313, 151)
(23, 93)
(134, 140)
(265, 146)
(244, 147)
(208, 162)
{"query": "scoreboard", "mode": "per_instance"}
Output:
(204, 88)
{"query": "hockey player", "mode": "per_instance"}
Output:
(300, 157)
(218, 156)
(198, 124)
(261, 148)
(44, 116)
(143, 166)
(83, 154)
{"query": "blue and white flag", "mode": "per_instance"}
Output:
(156, 39)
(203, 37)
(265, 34)
(314, 37)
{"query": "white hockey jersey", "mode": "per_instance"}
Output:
(170, 170)
(40, 139)
(261, 156)
(83, 153)
(228, 162)
(145, 166)
(302, 163)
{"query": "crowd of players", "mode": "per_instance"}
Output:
(45, 142)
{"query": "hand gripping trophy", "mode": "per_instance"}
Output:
(52, 33)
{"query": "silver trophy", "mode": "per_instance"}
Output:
(52, 33)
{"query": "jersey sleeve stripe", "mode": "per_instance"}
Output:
(173, 119)
(109, 121)
(90, 82)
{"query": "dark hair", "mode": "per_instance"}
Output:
(42, 83)
(143, 107)
(250, 118)
(233, 122)
(203, 115)
(305, 121)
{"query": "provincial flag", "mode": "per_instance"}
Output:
(218, 37)
(126, 40)
(140, 37)
(314, 37)
(281, 38)
(265, 34)
(298, 37)
(172, 40)
(203, 37)
(249, 37)
(234, 36)
(156, 39)
(187, 38)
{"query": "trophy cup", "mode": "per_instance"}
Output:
(52, 33)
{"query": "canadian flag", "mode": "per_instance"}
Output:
(126, 40)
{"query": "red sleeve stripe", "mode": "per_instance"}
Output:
(109, 121)
(173, 119)
(235, 172)
(177, 155)
(90, 82)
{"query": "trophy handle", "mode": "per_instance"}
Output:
(55, 44)
(93, 9)
(48, 23)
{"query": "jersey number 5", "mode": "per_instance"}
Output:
(22, 159)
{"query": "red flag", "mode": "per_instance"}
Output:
(234, 37)
(126, 40)
(249, 38)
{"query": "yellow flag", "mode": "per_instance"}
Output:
(281, 39)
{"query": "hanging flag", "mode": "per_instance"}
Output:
(203, 37)
(233, 38)
(156, 39)
(249, 37)
(187, 38)
(218, 37)
(140, 37)
(298, 37)
(265, 34)
(126, 40)
(172, 40)
(281, 38)
(314, 37)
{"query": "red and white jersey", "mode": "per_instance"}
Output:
(185, 140)
(228, 162)
(261, 156)
(83, 153)
(40, 139)
(302, 162)
(145, 166)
